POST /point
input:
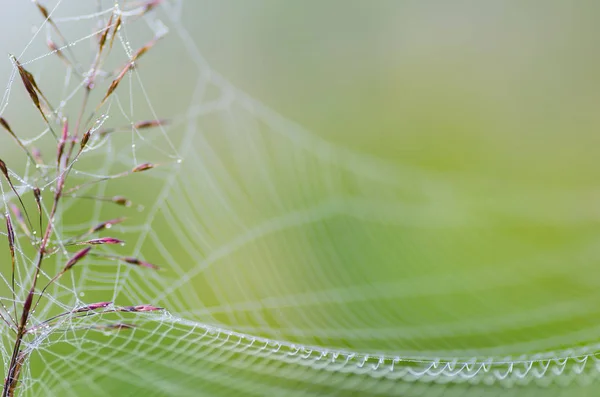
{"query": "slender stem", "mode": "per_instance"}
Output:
(16, 359)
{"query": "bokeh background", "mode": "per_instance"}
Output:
(430, 189)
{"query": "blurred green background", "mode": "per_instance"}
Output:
(440, 198)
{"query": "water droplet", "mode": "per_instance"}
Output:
(108, 226)
(82, 294)
(133, 146)
(179, 161)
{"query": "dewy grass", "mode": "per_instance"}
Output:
(72, 144)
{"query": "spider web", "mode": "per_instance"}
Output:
(291, 265)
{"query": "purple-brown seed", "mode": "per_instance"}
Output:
(147, 308)
(93, 306)
(85, 138)
(149, 124)
(31, 86)
(116, 326)
(76, 258)
(4, 170)
(10, 231)
(105, 34)
(138, 262)
(150, 5)
(101, 241)
(115, 31)
(62, 142)
(120, 200)
(143, 167)
(37, 194)
(107, 224)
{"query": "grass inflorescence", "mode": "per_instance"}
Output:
(72, 143)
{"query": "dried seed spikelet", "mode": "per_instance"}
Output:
(115, 83)
(104, 35)
(31, 86)
(46, 15)
(85, 138)
(115, 31)
(43, 10)
(141, 51)
(54, 48)
(139, 308)
(138, 262)
(106, 224)
(7, 127)
(76, 258)
(101, 241)
(146, 308)
(10, 231)
(4, 170)
(113, 327)
(62, 142)
(143, 167)
(93, 306)
(37, 194)
(120, 200)
(119, 326)
(149, 124)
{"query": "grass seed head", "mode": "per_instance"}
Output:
(101, 241)
(138, 262)
(93, 306)
(120, 200)
(107, 224)
(143, 167)
(76, 258)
